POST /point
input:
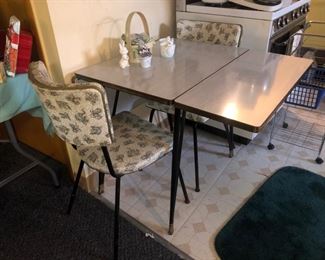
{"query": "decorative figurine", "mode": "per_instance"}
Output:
(167, 47)
(124, 62)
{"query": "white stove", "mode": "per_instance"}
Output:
(258, 26)
(234, 9)
(250, 4)
(261, 30)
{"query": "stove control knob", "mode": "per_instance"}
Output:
(301, 10)
(286, 20)
(295, 15)
(281, 22)
(298, 13)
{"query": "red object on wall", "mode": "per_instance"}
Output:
(24, 51)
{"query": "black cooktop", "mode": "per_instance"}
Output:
(228, 5)
(237, 6)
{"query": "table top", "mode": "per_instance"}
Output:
(246, 92)
(167, 78)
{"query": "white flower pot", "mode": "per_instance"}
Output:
(145, 62)
(167, 51)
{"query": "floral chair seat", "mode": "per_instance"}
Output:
(169, 109)
(137, 143)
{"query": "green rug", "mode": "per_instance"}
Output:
(284, 219)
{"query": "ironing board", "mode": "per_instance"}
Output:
(16, 96)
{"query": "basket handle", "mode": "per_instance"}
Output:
(128, 24)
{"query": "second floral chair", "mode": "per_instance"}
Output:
(118, 146)
(210, 32)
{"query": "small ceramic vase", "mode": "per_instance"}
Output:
(145, 62)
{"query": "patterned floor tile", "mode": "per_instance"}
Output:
(226, 183)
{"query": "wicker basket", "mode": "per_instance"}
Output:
(133, 54)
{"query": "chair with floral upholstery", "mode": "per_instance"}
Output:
(117, 145)
(211, 32)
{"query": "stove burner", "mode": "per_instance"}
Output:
(268, 2)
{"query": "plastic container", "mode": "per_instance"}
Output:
(310, 90)
(145, 62)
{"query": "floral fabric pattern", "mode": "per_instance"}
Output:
(137, 144)
(79, 112)
(80, 116)
(218, 33)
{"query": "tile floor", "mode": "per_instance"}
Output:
(226, 183)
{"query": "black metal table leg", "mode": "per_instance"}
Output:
(35, 162)
(319, 160)
(170, 122)
(285, 124)
(117, 94)
(270, 145)
(177, 149)
(196, 159)
(230, 138)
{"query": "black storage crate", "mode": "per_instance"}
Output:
(310, 90)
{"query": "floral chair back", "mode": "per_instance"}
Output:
(218, 33)
(79, 112)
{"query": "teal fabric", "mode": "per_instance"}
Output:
(284, 219)
(17, 95)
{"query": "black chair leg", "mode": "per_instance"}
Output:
(75, 187)
(152, 112)
(230, 138)
(187, 200)
(101, 178)
(170, 122)
(116, 216)
(196, 159)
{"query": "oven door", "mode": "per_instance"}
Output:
(282, 42)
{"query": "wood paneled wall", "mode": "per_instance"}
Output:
(29, 130)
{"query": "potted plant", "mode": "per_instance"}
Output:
(137, 40)
(144, 55)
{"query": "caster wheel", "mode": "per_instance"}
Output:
(197, 189)
(319, 160)
(231, 153)
(285, 125)
(270, 146)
